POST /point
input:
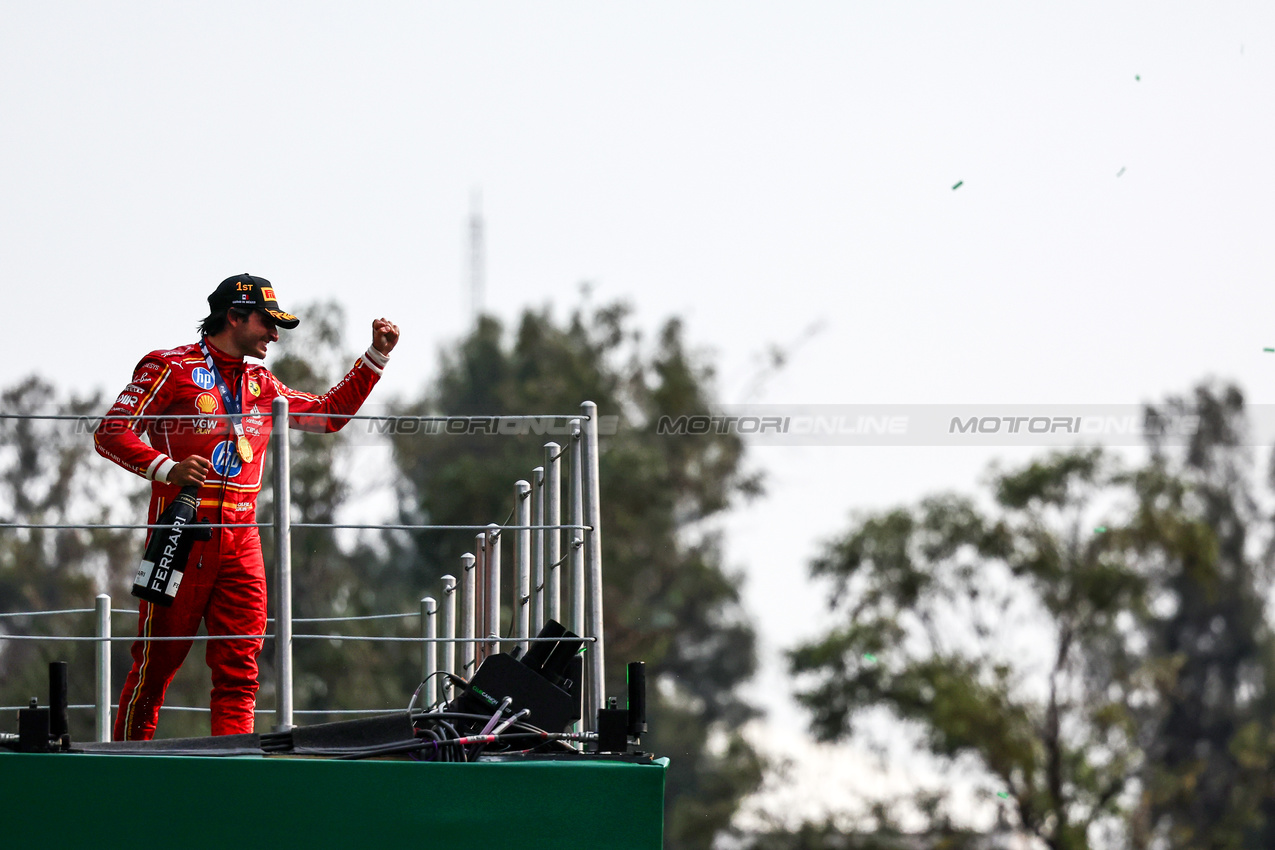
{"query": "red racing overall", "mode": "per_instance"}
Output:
(225, 581)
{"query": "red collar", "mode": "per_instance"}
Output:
(220, 357)
(222, 360)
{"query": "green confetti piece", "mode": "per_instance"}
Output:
(1003, 795)
(1137, 78)
(959, 184)
(1100, 529)
(1268, 349)
(868, 656)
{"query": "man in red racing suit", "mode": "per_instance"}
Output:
(225, 582)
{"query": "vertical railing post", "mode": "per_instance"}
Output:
(482, 552)
(596, 658)
(429, 658)
(522, 564)
(468, 607)
(447, 662)
(102, 609)
(283, 564)
(491, 628)
(553, 534)
(538, 550)
(576, 612)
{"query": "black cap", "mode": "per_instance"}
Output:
(250, 293)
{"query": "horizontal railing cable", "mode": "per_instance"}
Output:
(203, 710)
(487, 639)
(489, 527)
(63, 611)
(133, 611)
(120, 526)
(68, 526)
(202, 638)
(350, 619)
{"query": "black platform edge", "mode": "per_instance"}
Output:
(221, 745)
(381, 730)
(341, 736)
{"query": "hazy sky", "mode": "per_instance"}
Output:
(755, 168)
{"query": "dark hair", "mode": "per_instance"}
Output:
(216, 321)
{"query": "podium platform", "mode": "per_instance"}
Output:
(127, 801)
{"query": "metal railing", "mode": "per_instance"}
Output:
(471, 607)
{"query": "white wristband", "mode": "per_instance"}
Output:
(161, 467)
(375, 360)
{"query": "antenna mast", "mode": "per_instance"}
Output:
(477, 255)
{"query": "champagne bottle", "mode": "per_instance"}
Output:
(164, 562)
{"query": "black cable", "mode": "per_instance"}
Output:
(460, 715)
(402, 747)
(417, 692)
(448, 754)
(434, 740)
(477, 742)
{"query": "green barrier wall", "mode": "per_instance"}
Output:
(108, 801)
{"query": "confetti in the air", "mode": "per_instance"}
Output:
(1003, 795)
(1100, 529)
(958, 185)
(869, 657)
(1120, 172)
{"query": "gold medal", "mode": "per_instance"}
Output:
(245, 450)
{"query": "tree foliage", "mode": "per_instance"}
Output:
(1094, 640)
(1209, 755)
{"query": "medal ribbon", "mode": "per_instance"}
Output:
(232, 403)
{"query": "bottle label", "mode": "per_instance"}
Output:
(160, 573)
(144, 571)
(174, 538)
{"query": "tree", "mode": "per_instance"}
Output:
(1211, 740)
(1118, 581)
(49, 475)
(667, 598)
(908, 580)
